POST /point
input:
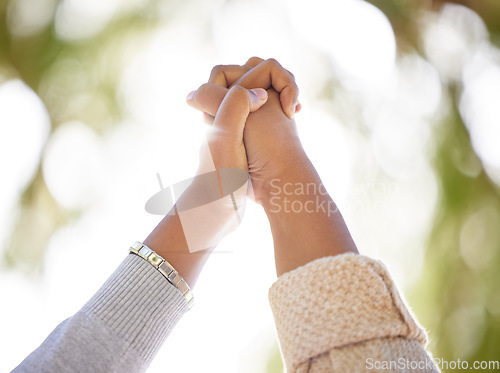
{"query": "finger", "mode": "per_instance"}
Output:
(226, 75)
(254, 61)
(207, 98)
(210, 99)
(271, 74)
(208, 119)
(230, 120)
(298, 107)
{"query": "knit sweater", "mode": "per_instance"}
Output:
(332, 315)
(344, 314)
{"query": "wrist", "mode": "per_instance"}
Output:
(305, 222)
(294, 175)
(209, 212)
(292, 203)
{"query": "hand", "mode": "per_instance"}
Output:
(214, 202)
(225, 138)
(195, 225)
(272, 145)
(315, 228)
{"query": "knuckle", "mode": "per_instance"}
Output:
(273, 62)
(204, 88)
(238, 90)
(254, 59)
(201, 93)
(239, 93)
(217, 69)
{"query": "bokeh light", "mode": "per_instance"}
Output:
(356, 35)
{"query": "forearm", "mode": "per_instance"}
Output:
(213, 204)
(123, 326)
(202, 216)
(168, 240)
(305, 222)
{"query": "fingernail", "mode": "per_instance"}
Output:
(260, 93)
(190, 96)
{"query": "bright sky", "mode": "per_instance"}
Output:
(231, 328)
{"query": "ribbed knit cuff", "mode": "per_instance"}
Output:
(334, 302)
(139, 305)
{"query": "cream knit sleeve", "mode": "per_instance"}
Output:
(344, 314)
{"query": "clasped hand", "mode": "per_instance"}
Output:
(251, 108)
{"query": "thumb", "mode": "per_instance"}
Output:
(233, 112)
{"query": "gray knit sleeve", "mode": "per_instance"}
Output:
(120, 329)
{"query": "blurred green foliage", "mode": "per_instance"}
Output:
(458, 295)
(76, 80)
